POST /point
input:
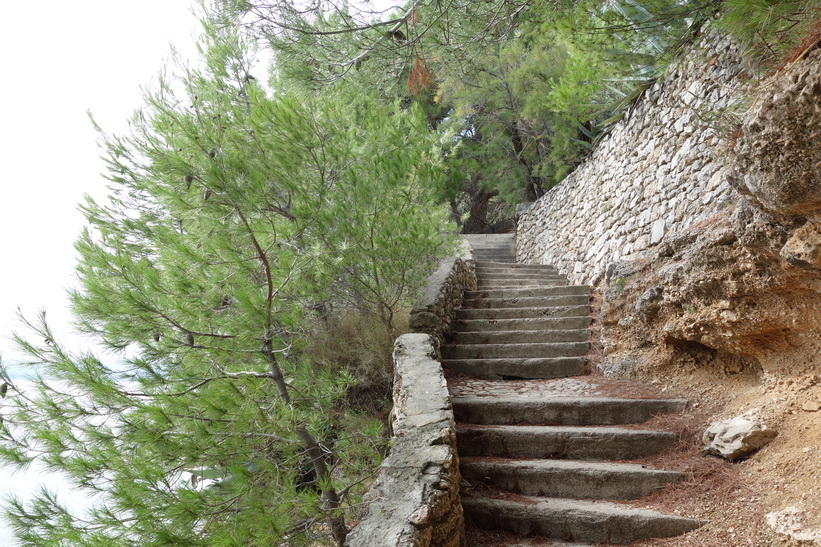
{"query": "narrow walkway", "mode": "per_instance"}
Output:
(537, 445)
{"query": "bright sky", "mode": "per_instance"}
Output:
(61, 59)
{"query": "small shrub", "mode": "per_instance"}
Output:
(360, 345)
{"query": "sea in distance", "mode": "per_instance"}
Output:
(25, 483)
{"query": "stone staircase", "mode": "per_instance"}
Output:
(536, 446)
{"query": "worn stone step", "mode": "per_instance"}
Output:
(497, 351)
(515, 267)
(560, 442)
(512, 272)
(538, 282)
(519, 313)
(499, 272)
(493, 255)
(550, 367)
(520, 336)
(568, 478)
(504, 263)
(539, 323)
(529, 542)
(526, 292)
(576, 520)
(522, 282)
(527, 301)
(561, 410)
(483, 274)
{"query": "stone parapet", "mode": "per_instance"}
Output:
(415, 501)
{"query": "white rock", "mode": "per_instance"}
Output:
(657, 232)
(790, 522)
(738, 437)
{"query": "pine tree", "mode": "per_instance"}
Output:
(234, 210)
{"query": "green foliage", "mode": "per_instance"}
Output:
(530, 109)
(769, 29)
(347, 342)
(235, 211)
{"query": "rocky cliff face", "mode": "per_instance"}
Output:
(741, 289)
(729, 309)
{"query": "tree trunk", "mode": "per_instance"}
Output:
(477, 220)
(330, 497)
(534, 188)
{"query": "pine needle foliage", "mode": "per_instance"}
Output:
(235, 211)
(771, 30)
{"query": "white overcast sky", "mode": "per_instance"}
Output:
(61, 59)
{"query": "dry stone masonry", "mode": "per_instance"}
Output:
(658, 170)
(437, 306)
(415, 500)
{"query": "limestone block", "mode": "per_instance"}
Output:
(738, 437)
(657, 231)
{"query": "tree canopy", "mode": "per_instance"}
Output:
(237, 213)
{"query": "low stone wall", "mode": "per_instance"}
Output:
(436, 309)
(415, 500)
(660, 170)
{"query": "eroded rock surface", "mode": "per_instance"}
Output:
(792, 522)
(740, 290)
(777, 161)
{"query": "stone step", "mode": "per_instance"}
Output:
(493, 255)
(560, 442)
(512, 272)
(527, 301)
(515, 267)
(520, 313)
(522, 281)
(497, 272)
(568, 478)
(498, 351)
(561, 410)
(520, 336)
(543, 368)
(504, 263)
(526, 542)
(538, 282)
(575, 520)
(526, 292)
(539, 323)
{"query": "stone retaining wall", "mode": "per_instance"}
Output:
(415, 500)
(660, 170)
